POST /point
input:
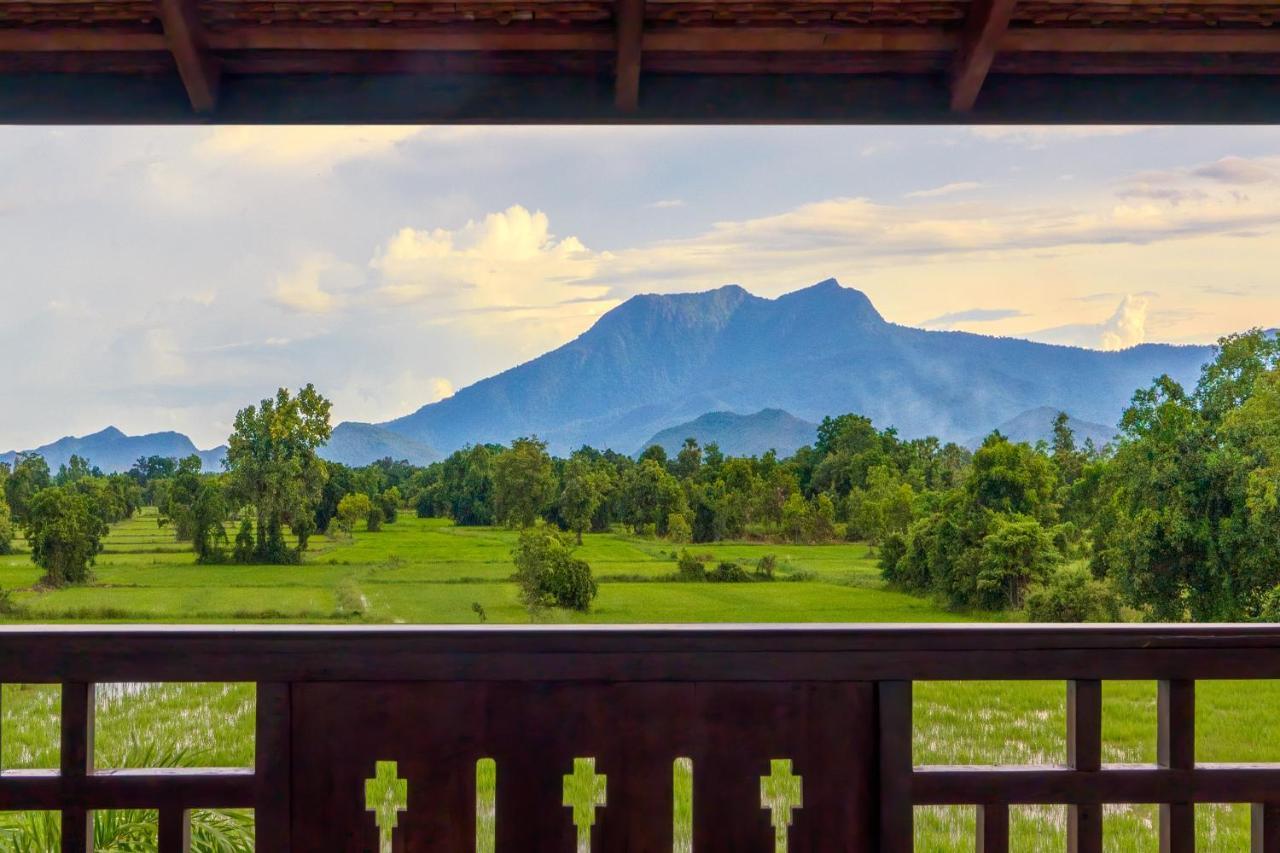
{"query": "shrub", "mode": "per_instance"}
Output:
(678, 528)
(389, 503)
(892, 550)
(374, 520)
(547, 572)
(689, 567)
(728, 572)
(6, 527)
(1073, 595)
(351, 509)
(243, 552)
(766, 566)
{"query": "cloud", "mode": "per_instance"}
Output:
(506, 274)
(317, 148)
(667, 203)
(946, 189)
(975, 315)
(301, 290)
(1237, 171)
(1038, 136)
(1126, 327)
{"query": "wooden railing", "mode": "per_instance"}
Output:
(613, 709)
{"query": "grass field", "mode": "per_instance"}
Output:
(429, 571)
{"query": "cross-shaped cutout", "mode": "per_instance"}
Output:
(386, 795)
(584, 792)
(781, 792)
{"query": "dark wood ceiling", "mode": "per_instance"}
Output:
(639, 60)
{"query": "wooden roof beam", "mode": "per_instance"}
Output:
(987, 24)
(185, 35)
(629, 17)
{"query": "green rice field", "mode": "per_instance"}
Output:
(428, 571)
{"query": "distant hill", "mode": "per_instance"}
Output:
(656, 360)
(113, 451)
(359, 444)
(741, 435)
(1037, 425)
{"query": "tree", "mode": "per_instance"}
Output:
(1017, 552)
(1012, 478)
(30, 474)
(523, 482)
(547, 572)
(688, 460)
(273, 466)
(1188, 526)
(389, 503)
(6, 526)
(580, 495)
(180, 497)
(64, 535)
(1069, 459)
(1072, 594)
(351, 509)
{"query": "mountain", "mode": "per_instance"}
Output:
(660, 360)
(113, 451)
(1037, 425)
(359, 444)
(741, 435)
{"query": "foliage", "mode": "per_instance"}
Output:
(548, 574)
(389, 503)
(30, 474)
(353, 508)
(689, 567)
(766, 566)
(582, 493)
(64, 535)
(6, 527)
(1072, 594)
(523, 482)
(678, 528)
(728, 571)
(273, 466)
(1016, 552)
(1189, 525)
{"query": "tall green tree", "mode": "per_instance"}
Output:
(30, 474)
(64, 533)
(1189, 528)
(6, 526)
(273, 465)
(523, 482)
(580, 495)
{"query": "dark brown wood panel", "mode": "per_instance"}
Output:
(436, 732)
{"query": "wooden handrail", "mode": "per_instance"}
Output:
(835, 700)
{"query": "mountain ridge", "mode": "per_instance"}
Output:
(659, 360)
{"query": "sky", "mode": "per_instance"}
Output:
(162, 278)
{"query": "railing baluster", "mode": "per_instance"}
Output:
(271, 767)
(175, 830)
(993, 828)
(1176, 750)
(1264, 830)
(897, 820)
(1084, 752)
(76, 763)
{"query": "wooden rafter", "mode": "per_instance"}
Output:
(186, 40)
(987, 24)
(630, 34)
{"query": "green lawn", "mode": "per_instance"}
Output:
(429, 571)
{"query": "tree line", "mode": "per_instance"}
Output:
(1178, 519)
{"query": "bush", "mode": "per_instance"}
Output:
(766, 566)
(389, 503)
(892, 550)
(374, 522)
(689, 567)
(728, 572)
(65, 535)
(1270, 611)
(547, 572)
(678, 528)
(243, 552)
(6, 528)
(1073, 595)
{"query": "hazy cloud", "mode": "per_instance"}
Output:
(945, 189)
(975, 315)
(1126, 327)
(1236, 170)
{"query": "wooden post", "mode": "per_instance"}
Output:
(272, 758)
(1176, 750)
(1264, 828)
(993, 829)
(175, 830)
(77, 762)
(897, 819)
(629, 16)
(1084, 752)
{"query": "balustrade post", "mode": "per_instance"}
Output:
(1265, 828)
(272, 777)
(76, 763)
(993, 828)
(897, 822)
(1176, 750)
(1084, 752)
